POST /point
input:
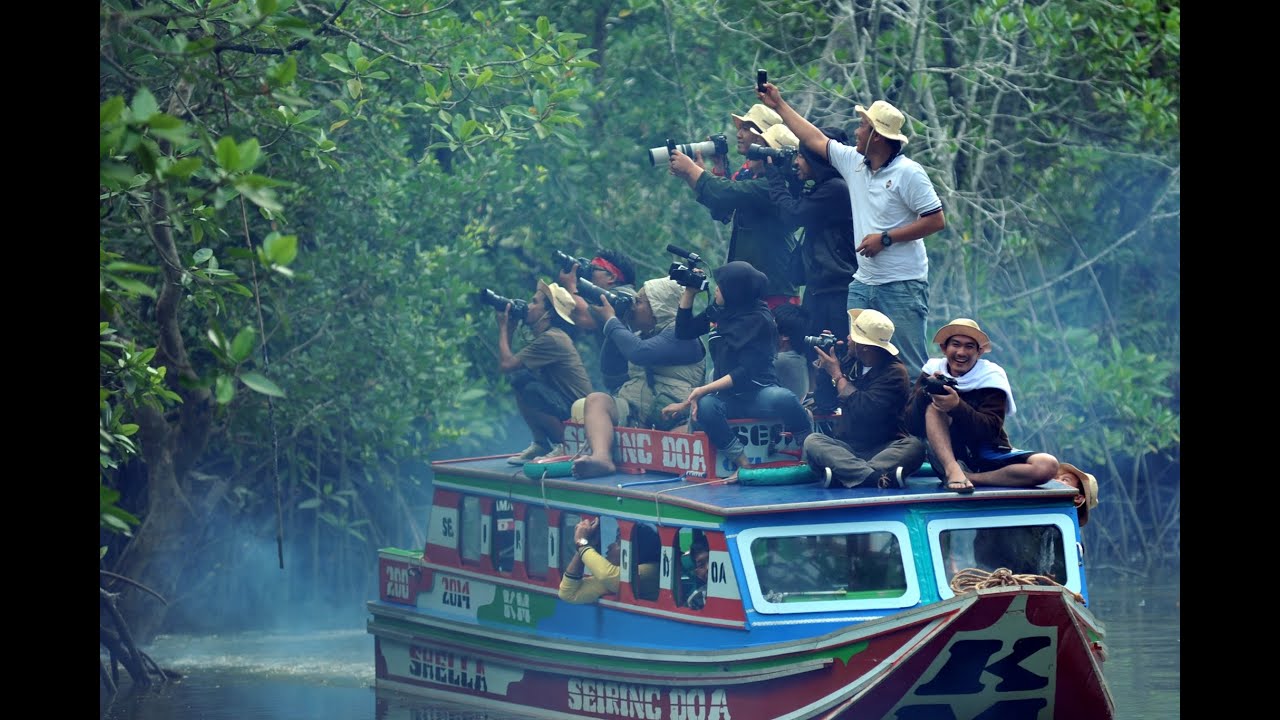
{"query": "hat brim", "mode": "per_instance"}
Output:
(566, 315)
(862, 112)
(1088, 487)
(984, 342)
(863, 339)
(738, 120)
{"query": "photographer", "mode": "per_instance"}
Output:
(871, 444)
(662, 369)
(964, 420)
(822, 209)
(742, 346)
(609, 270)
(547, 374)
(759, 235)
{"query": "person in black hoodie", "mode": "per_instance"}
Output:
(742, 345)
(827, 248)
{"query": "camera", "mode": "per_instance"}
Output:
(566, 262)
(497, 302)
(781, 156)
(685, 275)
(934, 385)
(717, 145)
(591, 292)
(824, 341)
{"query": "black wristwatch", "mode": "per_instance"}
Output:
(886, 239)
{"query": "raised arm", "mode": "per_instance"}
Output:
(807, 132)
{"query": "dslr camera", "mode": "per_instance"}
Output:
(591, 292)
(934, 385)
(784, 156)
(717, 145)
(497, 302)
(825, 341)
(687, 275)
(565, 262)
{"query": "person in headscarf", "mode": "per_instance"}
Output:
(743, 345)
(662, 370)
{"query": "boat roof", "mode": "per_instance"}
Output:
(714, 496)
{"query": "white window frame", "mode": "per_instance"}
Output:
(909, 598)
(935, 529)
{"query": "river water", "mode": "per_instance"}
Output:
(328, 675)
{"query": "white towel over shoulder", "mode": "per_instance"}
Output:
(985, 374)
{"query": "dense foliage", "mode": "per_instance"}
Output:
(299, 200)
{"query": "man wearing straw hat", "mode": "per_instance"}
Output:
(871, 443)
(548, 374)
(960, 403)
(894, 208)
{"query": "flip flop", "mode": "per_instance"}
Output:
(957, 488)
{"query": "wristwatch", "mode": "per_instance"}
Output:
(835, 381)
(886, 239)
(583, 542)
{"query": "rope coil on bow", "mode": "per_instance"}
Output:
(971, 579)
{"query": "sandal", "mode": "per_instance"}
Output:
(956, 487)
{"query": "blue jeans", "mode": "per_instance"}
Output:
(906, 303)
(772, 401)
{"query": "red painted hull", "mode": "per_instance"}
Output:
(1027, 652)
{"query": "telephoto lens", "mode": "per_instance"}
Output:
(497, 302)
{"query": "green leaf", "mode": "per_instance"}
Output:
(201, 256)
(337, 62)
(144, 105)
(228, 154)
(133, 286)
(311, 504)
(248, 151)
(119, 266)
(284, 72)
(224, 389)
(185, 168)
(280, 249)
(110, 110)
(353, 52)
(242, 346)
(259, 383)
(267, 7)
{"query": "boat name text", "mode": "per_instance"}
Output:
(456, 593)
(442, 666)
(645, 701)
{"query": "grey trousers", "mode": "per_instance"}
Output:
(851, 467)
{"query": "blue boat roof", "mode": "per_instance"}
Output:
(738, 499)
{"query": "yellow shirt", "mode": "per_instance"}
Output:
(605, 578)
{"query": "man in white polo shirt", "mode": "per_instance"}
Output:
(894, 208)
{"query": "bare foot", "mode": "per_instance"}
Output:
(590, 466)
(730, 479)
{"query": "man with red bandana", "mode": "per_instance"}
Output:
(964, 421)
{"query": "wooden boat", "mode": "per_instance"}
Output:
(819, 603)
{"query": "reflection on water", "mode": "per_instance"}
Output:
(328, 675)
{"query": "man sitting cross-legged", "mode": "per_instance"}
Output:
(964, 423)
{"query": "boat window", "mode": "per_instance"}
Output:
(829, 567)
(471, 528)
(694, 554)
(504, 536)
(1026, 545)
(647, 547)
(537, 542)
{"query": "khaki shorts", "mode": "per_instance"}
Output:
(578, 412)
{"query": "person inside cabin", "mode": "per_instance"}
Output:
(547, 374)
(699, 556)
(743, 345)
(964, 423)
(791, 365)
(605, 578)
(871, 442)
(663, 369)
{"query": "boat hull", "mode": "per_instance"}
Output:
(1010, 652)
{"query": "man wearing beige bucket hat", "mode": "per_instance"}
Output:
(871, 444)
(759, 235)
(547, 374)
(959, 404)
(895, 207)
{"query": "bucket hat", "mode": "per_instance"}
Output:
(560, 298)
(963, 326)
(760, 115)
(780, 136)
(1088, 486)
(871, 327)
(885, 118)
